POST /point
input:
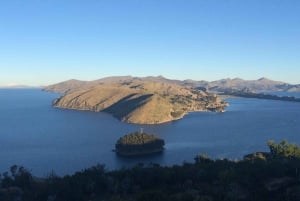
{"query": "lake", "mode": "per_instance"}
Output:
(44, 139)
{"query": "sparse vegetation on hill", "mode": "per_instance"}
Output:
(260, 85)
(154, 100)
(138, 100)
(253, 178)
(248, 93)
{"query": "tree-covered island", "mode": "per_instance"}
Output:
(139, 143)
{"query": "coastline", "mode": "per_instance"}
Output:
(141, 153)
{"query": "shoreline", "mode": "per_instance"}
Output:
(143, 153)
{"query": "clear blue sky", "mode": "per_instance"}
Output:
(47, 41)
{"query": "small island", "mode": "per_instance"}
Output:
(139, 143)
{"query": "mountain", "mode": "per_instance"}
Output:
(72, 85)
(149, 100)
(294, 88)
(66, 86)
(262, 84)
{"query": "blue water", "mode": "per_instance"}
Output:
(45, 139)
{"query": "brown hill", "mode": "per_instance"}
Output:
(66, 86)
(139, 100)
(72, 85)
(260, 85)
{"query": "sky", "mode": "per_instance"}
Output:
(47, 41)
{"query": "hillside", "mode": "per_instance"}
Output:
(65, 87)
(72, 85)
(137, 100)
(256, 85)
(294, 88)
(262, 84)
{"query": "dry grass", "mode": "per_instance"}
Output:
(137, 101)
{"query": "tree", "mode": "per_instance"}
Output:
(284, 149)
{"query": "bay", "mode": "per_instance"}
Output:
(45, 139)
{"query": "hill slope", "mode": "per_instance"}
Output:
(139, 100)
(262, 84)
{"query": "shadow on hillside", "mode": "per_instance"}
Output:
(126, 105)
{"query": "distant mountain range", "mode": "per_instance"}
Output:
(17, 87)
(260, 85)
(153, 100)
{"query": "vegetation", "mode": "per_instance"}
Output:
(137, 138)
(139, 144)
(284, 149)
(136, 100)
(274, 176)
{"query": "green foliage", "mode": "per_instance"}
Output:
(205, 180)
(202, 158)
(137, 138)
(139, 143)
(284, 149)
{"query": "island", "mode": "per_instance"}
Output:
(139, 143)
(149, 100)
(272, 175)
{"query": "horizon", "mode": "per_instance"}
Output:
(46, 42)
(14, 85)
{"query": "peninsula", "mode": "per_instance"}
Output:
(136, 144)
(248, 93)
(150, 100)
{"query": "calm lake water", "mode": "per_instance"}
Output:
(45, 139)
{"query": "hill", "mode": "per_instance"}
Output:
(73, 84)
(260, 85)
(136, 100)
(66, 86)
